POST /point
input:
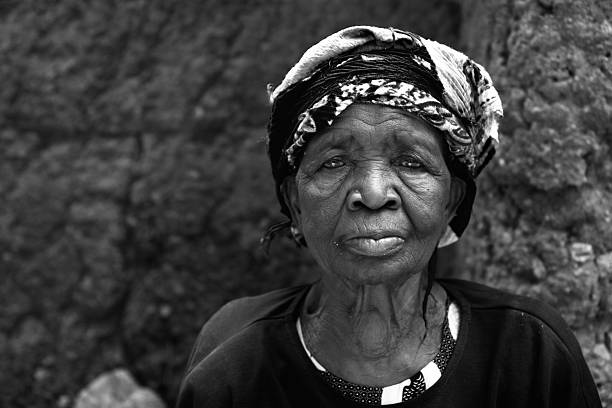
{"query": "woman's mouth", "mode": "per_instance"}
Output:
(367, 246)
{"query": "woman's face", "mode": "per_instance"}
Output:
(373, 195)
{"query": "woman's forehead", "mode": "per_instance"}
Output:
(378, 124)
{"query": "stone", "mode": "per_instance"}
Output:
(538, 269)
(142, 398)
(581, 252)
(117, 389)
(602, 352)
(604, 261)
(106, 390)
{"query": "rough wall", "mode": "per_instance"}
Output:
(543, 224)
(133, 182)
(134, 188)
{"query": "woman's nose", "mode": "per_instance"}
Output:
(374, 191)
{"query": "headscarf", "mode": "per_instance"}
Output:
(386, 66)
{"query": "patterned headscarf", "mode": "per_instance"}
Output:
(394, 68)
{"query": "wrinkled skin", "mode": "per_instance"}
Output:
(375, 171)
(372, 197)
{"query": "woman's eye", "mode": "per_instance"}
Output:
(410, 163)
(333, 163)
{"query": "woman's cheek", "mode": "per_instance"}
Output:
(321, 209)
(320, 190)
(425, 203)
(328, 182)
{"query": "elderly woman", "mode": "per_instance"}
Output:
(375, 138)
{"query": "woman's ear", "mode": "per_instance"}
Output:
(456, 195)
(291, 198)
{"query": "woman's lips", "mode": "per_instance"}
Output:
(368, 246)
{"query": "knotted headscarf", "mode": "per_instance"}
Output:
(390, 67)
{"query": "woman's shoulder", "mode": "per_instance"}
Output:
(238, 314)
(524, 321)
(527, 337)
(480, 297)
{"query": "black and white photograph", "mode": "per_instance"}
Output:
(306, 203)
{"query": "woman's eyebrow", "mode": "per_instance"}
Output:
(332, 139)
(409, 140)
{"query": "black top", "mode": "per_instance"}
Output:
(511, 351)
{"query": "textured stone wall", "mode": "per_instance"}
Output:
(543, 221)
(134, 186)
(133, 181)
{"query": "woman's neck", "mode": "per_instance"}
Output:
(373, 334)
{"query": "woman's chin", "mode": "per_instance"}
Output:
(376, 270)
(382, 261)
